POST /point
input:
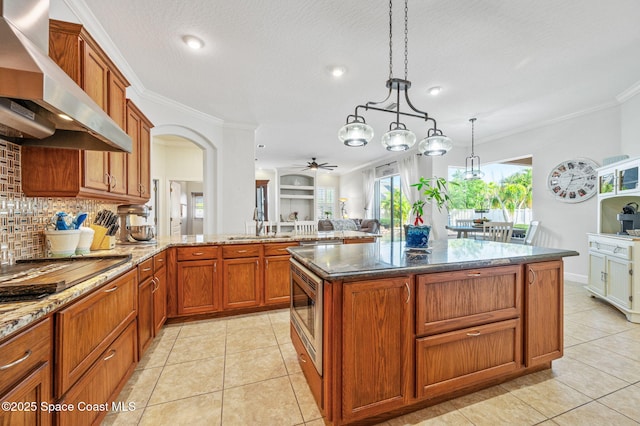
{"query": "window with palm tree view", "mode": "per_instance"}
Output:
(503, 195)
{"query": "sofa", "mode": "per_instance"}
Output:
(371, 226)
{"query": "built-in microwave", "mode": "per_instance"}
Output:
(306, 310)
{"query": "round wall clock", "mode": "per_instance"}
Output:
(574, 180)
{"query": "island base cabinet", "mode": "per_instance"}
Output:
(450, 361)
(376, 329)
(544, 310)
(94, 393)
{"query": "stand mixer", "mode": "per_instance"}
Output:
(135, 234)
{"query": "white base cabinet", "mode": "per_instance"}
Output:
(611, 276)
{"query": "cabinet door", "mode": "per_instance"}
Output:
(242, 283)
(377, 334)
(95, 170)
(95, 76)
(276, 280)
(145, 315)
(28, 395)
(133, 159)
(197, 285)
(160, 300)
(597, 275)
(145, 159)
(619, 280)
(544, 298)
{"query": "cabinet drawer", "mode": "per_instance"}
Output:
(197, 252)
(241, 250)
(454, 300)
(306, 365)
(159, 261)
(454, 360)
(611, 248)
(102, 382)
(22, 353)
(145, 269)
(277, 249)
(87, 327)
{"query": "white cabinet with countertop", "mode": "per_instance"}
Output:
(611, 276)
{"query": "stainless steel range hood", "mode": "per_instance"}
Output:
(39, 103)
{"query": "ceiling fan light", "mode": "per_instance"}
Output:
(355, 134)
(398, 140)
(435, 145)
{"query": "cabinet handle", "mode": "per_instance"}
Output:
(301, 358)
(266, 263)
(198, 253)
(282, 249)
(146, 269)
(532, 276)
(242, 251)
(473, 334)
(26, 355)
(474, 274)
(598, 245)
(616, 249)
(406, 285)
(108, 179)
(160, 259)
(111, 355)
(111, 290)
(155, 284)
(115, 181)
(215, 267)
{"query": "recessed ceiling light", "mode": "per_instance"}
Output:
(337, 71)
(261, 145)
(435, 90)
(193, 42)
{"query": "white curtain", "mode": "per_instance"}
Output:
(408, 169)
(368, 181)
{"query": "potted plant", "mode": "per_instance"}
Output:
(431, 190)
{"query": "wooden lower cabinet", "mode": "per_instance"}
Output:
(197, 290)
(159, 300)
(377, 347)
(544, 310)
(25, 376)
(99, 387)
(152, 300)
(242, 283)
(450, 361)
(88, 326)
(277, 285)
(145, 315)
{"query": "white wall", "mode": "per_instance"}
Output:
(630, 127)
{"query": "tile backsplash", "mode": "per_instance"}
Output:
(22, 218)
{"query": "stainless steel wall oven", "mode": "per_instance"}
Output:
(306, 310)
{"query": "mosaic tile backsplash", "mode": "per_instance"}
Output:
(22, 218)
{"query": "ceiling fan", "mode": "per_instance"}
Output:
(313, 165)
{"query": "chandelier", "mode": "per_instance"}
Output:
(472, 163)
(356, 132)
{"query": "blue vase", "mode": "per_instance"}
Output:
(417, 236)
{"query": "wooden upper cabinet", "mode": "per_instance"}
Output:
(90, 174)
(138, 171)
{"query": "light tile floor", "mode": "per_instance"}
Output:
(243, 371)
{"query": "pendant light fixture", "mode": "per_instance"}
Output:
(356, 132)
(472, 163)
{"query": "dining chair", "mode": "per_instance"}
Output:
(268, 227)
(531, 232)
(305, 226)
(464, 222)
(497, 231)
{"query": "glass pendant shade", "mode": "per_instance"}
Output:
(398, 140)
(435, 145)
(472, 169)
(355, 134)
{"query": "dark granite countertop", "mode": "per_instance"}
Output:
(380, 259)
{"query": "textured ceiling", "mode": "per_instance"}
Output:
(513, 64)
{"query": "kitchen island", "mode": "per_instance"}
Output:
(402, 330)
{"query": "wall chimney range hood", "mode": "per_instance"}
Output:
(39, 103)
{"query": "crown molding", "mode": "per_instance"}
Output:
(629, 93)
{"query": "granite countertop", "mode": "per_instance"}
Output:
(16, 315)
(382, 259)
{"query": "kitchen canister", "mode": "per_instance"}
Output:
(62, 243)
(86, 238)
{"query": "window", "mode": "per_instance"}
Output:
(391, 208)
(326, 202)
(197, 201)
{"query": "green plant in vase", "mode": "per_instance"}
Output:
(431, 190)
